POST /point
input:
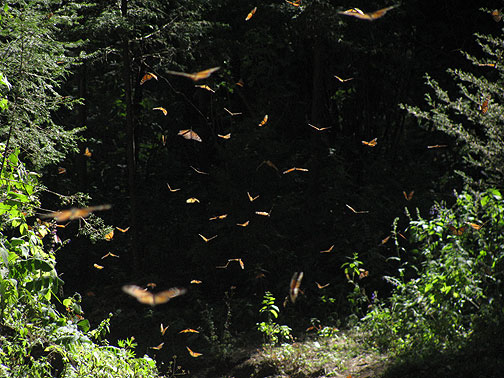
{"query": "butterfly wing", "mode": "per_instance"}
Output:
(165, 296)
(141, 294)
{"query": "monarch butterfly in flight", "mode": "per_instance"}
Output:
(496, 15)
(371, 143)
(356, 12)
(189, 134)
(152, 299)
(158, 347)
(409, 196)
(251, 13)
(319, 128)
(294, 169)
(74, 213)
(193, 354)
(294, 286)
(165, 112)
(148, 76)
(263, 122)
(197, 75)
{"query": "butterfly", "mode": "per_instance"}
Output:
(122, 229)
(484, 105)
(193, 354)
(240, 83)
(223, 216)
(197, 75)
(87, 153)
(148, 76)
(493, 65)
(163, 329)
(295, 3)
(242, 265)
(152, 299)
(109, 254)
(319, 128)
(158, 347)
(198, 171)
(99, 267)
(189, 330)
(269, 163)
(322, 286)
(189, 134)
(205, 87)
(356, 12)
(457, 231)
(385, 240)
(252, 199)
(294, 169)
(437, 146)
(192, 200)
(371, 143)
(328, 250)
(409, 196)
(207, 239)
(264, 213)
(251, 13)
(74, 213)
(231, 113)
(363, 273)
(294, 286)
(343, 80)
(227, 136)
(109, 236)
(163, 139)
(476, 226)
(496, 15)
(196, 282)
(61, 170)
(243, 224)
(355, 211)
(172, 190)
(263, 122)
(165, 112)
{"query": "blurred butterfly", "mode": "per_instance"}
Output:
(294, 286)
(294, 169)
(74, 213)
(196, 282)
(122, 229)
(197, 75)
(263, 122)
(322, 286)
(363, 273)
(193, 354)
(231, 113)
(371, 143)
(240, 83)
(165, 112)
(87, 153)
(295, 3)
(496, 15)
(227, 136)
(206, 87)
(192, 200)
(163, 139)
(163, 329)
(409, 196)
(355, 211)
(343, 80)
(319, 128)
(189, 134)
(493, 65)
(217, 217)
(476, 226)
(457, 231)
(328, 250)
(109, 254)
(109, 236)
(242, 265)
(269, 163)
(207, 239)
(171, 189)
(198, 171)
(61, 170)
(148, 76)
(385, 240)
(264, 213)
(251, 13)
(252, 199)
(152, 299)
(437, 146)
(484, 106)
(189, 330)
(243, 224)
(151, 285)
(158, 347)
(99, 267)
(356, 12)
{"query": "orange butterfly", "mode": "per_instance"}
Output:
(240, 83)
(319, 128)
(322, 286)
(476, 226)
(163, 329)
(264, 213)
(158, 347)
(356, 12)
(189, 330)
(409, 196)
(165, 112)
(484, 106)
(328, 250)
(109, 236)
(296, 3)
(109, 254)
(196, 282)
(493, 65)
(172, 190)
(87, 153)
(74, 213)
(205, 87)
(207, 239)
(197, 75)
(251, 13)
(294, 169)
(227, 136)
(496, 15)
(152, 299)
(355, 211)
(363, 273)
(192, 200)
(343, 80)
(223, 216)
(61, 170)
(193, 354)
(163, 139)
(457, 231)
(252, 199)
(189, 134)
(438, 146)
(294, 286)
(371, 143)
(231, 113)
(147, 76)
(242, 265)
(99, 267)
(385, 240)
(263, 122)
(122, 229)
(198, 171)
(243, 224)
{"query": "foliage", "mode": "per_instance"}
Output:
(273, 332)
(448, 286)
